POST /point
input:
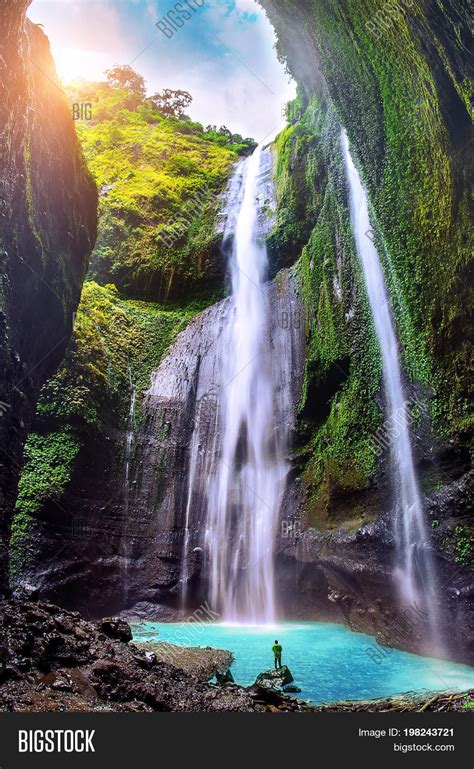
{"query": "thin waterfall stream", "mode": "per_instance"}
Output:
(415, 573)
(129, 435)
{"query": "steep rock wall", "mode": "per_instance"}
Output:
(401, 92)
(125, 544)
(47, 230)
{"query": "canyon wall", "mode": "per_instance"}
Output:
(399, 85)
(47, 231)
(400, 91)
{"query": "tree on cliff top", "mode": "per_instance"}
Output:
(171, 103)
(123, 76)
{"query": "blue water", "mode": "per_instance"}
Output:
(328, 662)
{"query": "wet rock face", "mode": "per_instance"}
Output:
(346, 576)
(131, 552)
(275, 678)
(47, 230)
(174, 455)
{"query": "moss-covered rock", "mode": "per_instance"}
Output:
(338, 413)
(116, 345)
(160, 180)
(398, 82)
(47, 230)
(403, 103)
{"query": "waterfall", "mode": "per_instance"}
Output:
(129, 438)
(126, 487)
(237, 452)
(246, 490)
(414, 572)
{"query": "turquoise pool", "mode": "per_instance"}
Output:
(329, 662)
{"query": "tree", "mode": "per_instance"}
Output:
(123, 76)
(171, 103)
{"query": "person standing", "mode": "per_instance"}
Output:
(277, 650)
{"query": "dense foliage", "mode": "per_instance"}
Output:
(402, 91)
(338, 413)
(160, 177)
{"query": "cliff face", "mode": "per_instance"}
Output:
(399, 87)
(400, 92)
(47, 230)
(124, 543)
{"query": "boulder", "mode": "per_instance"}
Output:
(275, 679)
(224, 676)
(117, 629)
(291, 689)
(203, 662)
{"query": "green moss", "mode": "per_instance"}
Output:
(116, 343)
(463, 545)
(48, 462)
(160, 181)
(406, 107)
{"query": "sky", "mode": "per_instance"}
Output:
(223, 54)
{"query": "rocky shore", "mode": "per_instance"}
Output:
(53, 660)
(454, 702)
(203, 662)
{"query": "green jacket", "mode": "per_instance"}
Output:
(277, 649)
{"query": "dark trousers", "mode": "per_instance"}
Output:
(277, 661)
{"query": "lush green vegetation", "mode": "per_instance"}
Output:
(47, 468)
(406, 109)
(116, 344)
(338, 414)
(155, 265)
(160, 177)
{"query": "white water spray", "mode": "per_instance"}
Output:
(126, 498)
(247, 485)
(415, 572)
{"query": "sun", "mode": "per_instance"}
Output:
(74, 63)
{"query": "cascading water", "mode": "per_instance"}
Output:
(415, 572)
(246, 469)
(126, 487)
(246, 490)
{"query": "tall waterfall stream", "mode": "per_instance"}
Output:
(414, 571)
(246, 483)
